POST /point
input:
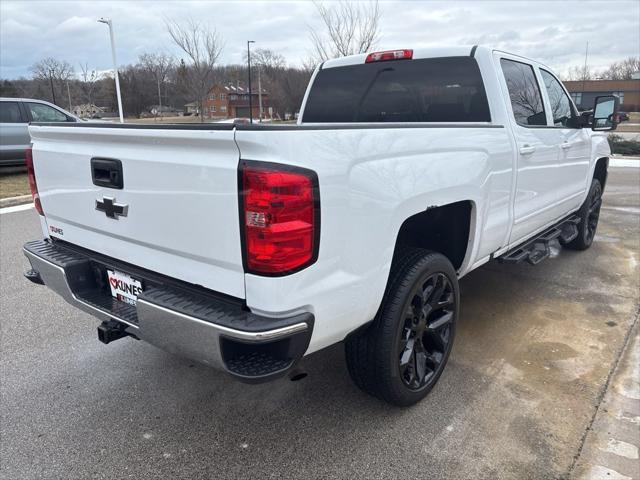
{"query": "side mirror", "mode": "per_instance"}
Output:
(604, 113)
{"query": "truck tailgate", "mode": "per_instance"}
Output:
(180, 187)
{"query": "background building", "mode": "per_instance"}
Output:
(232, 101)
(87, 110)
(585, 92)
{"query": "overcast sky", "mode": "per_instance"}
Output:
(550, 31)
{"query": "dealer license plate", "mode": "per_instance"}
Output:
(124, 287)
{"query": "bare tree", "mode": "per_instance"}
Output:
(159, 65)
(267, 59)
(579, 73)
(89, 79)
(622, 70)
(53, 71)
(349, 28)
(203, 46)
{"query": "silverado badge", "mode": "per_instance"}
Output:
(112, 209)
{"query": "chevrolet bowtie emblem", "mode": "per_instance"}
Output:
(112, 209)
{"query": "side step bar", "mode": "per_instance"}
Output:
(537, 249)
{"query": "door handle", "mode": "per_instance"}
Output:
(565, 145)
(527, 149)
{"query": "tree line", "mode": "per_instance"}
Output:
(156, 80)
(160, 79)
(621, 70)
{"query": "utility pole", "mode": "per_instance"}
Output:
(249, 42)
(259, 95)
(69, 95)
(159, 99)
(53, 91)
(107, 21)
(584, 71)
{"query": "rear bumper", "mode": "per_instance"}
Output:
(178, 317)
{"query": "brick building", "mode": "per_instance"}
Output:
(232, 101)
(585, 93)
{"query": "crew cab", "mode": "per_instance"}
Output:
(247, 247)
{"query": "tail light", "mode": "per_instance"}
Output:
(31, 175)
(389, 55)
(280, 218)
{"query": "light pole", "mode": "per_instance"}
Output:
(108, 22)
(249, 42)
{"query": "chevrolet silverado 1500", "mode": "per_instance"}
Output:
(247, 247)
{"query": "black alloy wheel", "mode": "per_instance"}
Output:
(593, 213)
(589, 214)
(402, 353)
(426, 334)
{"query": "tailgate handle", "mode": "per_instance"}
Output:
(107, 172)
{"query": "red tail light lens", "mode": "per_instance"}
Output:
(389, 55)
(280, 218)
(31, 175)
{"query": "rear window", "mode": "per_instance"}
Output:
(447, 89)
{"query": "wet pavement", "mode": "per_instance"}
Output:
(534, 351)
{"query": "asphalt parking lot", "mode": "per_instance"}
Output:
(533, 353)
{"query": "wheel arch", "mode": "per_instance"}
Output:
(447, 229)
(600, 171)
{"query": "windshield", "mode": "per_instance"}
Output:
(447, 89)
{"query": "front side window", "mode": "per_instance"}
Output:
(10, 113)
(560, 103)
(524, 93)
(446, 89)
(45, 113)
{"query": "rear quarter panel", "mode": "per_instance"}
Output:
(371, 181)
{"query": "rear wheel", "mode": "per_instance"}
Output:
(402, 355)
(589, 214)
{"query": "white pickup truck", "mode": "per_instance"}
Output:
(247, 247)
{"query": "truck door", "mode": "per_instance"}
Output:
(575, 142)
(540, 188)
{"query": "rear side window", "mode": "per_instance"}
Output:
(524, 93)
(560, 103)
(10, 113)
(45, 113)
(447, 89)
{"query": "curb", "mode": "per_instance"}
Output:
(11, 201)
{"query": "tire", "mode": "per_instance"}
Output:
(589, 214)
(401, 356)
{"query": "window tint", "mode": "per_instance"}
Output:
(10, 113)
(45, 113)
(446, 89)
(524, 93)
(560, 103)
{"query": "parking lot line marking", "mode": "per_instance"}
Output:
(599, 472)
(622, 449)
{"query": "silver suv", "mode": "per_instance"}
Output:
(15, 115)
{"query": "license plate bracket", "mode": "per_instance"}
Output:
(124, 287)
